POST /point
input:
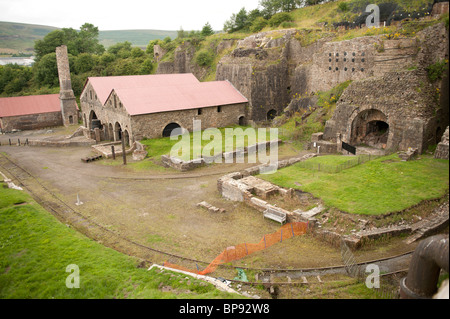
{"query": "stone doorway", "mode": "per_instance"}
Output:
(370, 128)
(271, 115)
(94, 122)
(169, 128)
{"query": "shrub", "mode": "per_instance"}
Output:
(258, 24)
(436, 70)
(279, 18)
(343, 6)
(288, 24)
(204, 58)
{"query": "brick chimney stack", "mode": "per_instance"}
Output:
(69, 107)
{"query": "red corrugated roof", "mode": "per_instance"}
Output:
(104, 85)
(178, 97)
(25, 105)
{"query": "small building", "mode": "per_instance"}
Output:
(30, 112)
(151, 106)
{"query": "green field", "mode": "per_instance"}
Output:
(380, 186)
(163, 146)
(35, 250)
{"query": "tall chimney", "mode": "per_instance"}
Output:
(69, 107)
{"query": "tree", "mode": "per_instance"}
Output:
(84, 41)
(207, 30)
(237, 22)
(87, 41)
(49, 43)
(46, 71)
(84, 62)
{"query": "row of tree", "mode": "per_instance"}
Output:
(257, 19)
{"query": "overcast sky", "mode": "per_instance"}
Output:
(124, 14)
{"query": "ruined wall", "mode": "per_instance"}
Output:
(404, 100)
(152, 125)
(31, 121)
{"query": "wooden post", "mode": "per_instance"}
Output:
(113, 152)
(124, 154)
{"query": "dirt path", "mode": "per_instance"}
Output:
(159, 209)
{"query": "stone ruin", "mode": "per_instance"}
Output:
(442, 147)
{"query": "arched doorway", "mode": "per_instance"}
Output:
(117, 132)
(110, 132)
(371, 128)
(94, 122)
(126, 137)
(242, 121)
(169, 128)
(271, 114)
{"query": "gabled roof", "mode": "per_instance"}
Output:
(156, 99)
(33, 104)
(104, 85)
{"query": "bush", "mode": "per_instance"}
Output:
(279, 18)
(204, 58)
(288, 24)
(258, 24)
(436, 70)
(343, 6)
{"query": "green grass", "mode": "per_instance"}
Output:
(377, 187)
(163, 146)
(35, 250)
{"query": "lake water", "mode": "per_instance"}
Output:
(27, 61)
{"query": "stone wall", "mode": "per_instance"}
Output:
(404, 100)
(271, 68)
(442, 148)
(31, 121)
(152, 125)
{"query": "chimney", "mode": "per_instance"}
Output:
(69, 107)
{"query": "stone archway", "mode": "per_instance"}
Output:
(371, 128)
(169, 128)
(126, 137)
(242, 121)
(271, 114)
(117, 132)
(110, 132)
(94, 122)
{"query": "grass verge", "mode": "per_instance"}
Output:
(377, 187)
(35, 250)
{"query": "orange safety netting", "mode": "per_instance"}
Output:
(240, 251)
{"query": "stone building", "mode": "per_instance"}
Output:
(41, 111)
(30, 112)
(151, 106)
(401, 113)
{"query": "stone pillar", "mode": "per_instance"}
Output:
(69, 107)
(339, 142)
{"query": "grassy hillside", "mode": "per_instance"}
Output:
(139, 38)
(20, 37)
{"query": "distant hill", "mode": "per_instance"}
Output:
(20, 37)
(139, 38)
